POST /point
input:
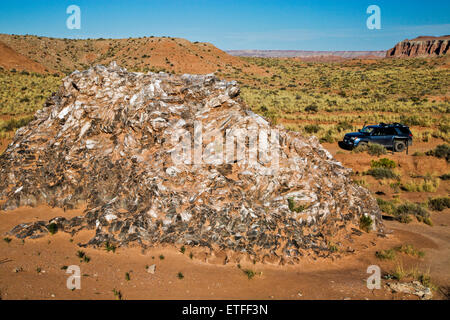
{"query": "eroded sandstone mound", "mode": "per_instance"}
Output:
(420, 47)
(106, 139)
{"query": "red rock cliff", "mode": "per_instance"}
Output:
(421, 47)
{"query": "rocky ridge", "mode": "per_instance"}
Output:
(105, 139)
(421, 47)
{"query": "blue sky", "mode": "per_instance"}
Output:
(235, 24)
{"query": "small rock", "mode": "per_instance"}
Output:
(414, 287)
(151, 269)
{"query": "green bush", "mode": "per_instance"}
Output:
(381, 173)
(414, 121)
(52, 228)
(293, 207)
(385, 254)
(441, 151)
(403, 212)
(383, 163)
(110, 247)
(249, 273)
(312, 108)
(376, 149)
(344, 126)
(427, 185)
(328, 137)
(410, 250)
(439, 204)
(365, 223)
(386, 206)
(312, 128)
(360, 148)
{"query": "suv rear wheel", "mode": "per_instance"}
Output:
(399, 146)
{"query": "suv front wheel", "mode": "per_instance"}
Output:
(399, 146)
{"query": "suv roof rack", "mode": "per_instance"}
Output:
(395, 124)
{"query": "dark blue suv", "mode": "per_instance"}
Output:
(395, 136)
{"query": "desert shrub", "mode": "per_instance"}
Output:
(383, 163)
(312, 128)
(110, 247)
(441, 151)
(445, 177)
(381, 173)
(400, 273)
(427, 185)
(13, 124)
(386, 206)
(362, 183)
(293, 207)
(365, 223)
(249, 273)
(52, 228)
(117, 294)
(312, 108)
(410, 250)
(385, 254)
(376, 149)
(360, 148)
(410, 120)
(328, 137)
(445, 128)
(402, 216)
(344, 126)
(395, 186)
(404, 210)
(23, 93)
(83, 257)
(439, 204)
(333, 247)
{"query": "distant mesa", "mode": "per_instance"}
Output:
(424, 46)
(307, 55)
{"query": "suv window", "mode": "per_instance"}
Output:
(378, 132)
(390, 131)
(403, 130)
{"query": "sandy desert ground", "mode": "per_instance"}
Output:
(33, 269)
